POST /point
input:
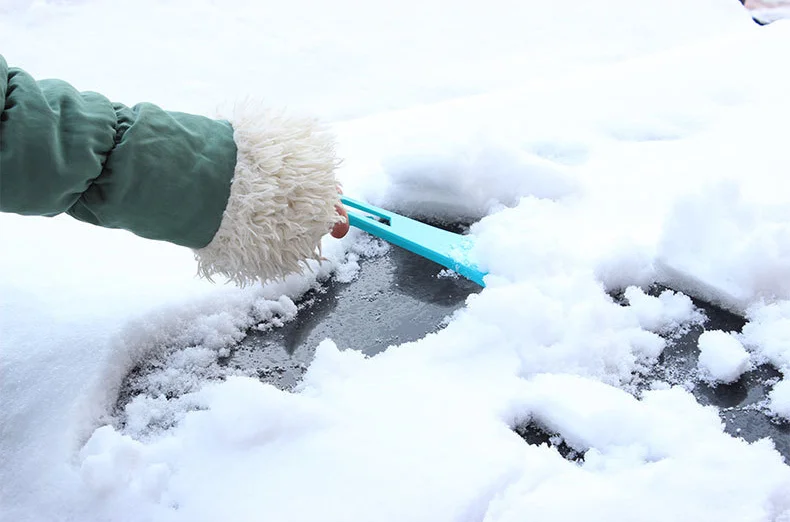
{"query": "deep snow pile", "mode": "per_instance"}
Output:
(634, 143)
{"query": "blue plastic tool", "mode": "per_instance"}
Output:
(446, 248)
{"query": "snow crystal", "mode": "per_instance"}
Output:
(447, 274)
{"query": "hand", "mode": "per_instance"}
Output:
(340, 229)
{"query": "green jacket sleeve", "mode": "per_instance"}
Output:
(252, 196)
(161, 175)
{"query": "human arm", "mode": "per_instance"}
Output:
(251, 196)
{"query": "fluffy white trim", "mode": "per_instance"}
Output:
(282, 199)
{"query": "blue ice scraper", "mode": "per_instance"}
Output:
(446, 248)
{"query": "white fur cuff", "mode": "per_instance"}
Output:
(282, 200)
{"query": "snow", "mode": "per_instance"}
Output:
(767, 334)
(666, 313)
(747, 240)
(599, 148)
(648, 459)
(780, 399)
(722, 357)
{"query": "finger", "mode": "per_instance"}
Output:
(341, 229)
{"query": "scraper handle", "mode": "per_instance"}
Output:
(446, 248)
